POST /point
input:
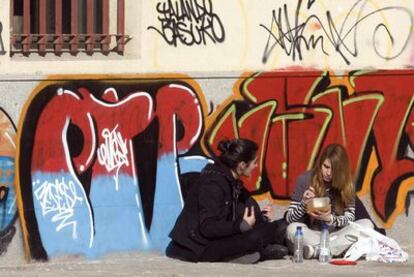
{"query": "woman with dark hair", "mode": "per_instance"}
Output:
(220, 221)
(330, 177)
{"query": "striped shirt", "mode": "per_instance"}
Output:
(297, 211)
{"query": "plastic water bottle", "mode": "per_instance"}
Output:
(324, 252)
(298, 246)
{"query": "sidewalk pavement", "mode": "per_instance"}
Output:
(153, 264)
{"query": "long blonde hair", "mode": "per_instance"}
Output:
(342, 185)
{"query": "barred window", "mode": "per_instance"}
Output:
(57, 26)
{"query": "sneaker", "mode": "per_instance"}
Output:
(309, 252)
(274, 252)
(251, 258)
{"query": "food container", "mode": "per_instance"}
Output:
(319, 204)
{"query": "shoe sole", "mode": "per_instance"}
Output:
(247, 259)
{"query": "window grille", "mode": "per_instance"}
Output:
(57, 26)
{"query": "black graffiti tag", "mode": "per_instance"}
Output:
(188, 22)
(289, 33)
(2, 52)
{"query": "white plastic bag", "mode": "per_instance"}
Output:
(375, 247)
(363, 247)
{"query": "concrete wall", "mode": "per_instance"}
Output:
(106, 146)
(237, 35)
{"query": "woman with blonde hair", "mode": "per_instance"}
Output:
(330, 177)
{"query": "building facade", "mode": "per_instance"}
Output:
(293, 76)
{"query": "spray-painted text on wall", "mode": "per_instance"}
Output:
(338, 33)
(188, 22)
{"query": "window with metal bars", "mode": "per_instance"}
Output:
(57, 26)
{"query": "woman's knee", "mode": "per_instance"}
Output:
(366, 222)
(253, 239)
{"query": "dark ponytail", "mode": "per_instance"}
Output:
(236, 151)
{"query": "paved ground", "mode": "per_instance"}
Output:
(152, 264)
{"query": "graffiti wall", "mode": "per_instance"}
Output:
(242, 34)
(96, 157)
(103, 165)
(8, 206)
(292, 117)
(336, 32)
(210, 36)
(101, 160)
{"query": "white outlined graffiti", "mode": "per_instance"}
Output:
(113, 153)
(60, 198)
(103, 153)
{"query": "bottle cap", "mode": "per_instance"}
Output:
(325, 225)
(299, 228)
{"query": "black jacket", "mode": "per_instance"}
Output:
(213, 209)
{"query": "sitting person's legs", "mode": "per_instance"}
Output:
(310, 237)
(232, 247)
(176, 251)
(273, 232)
(266, 239)
(342, 239)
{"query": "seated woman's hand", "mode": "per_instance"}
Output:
(249, 216)
(308, 195)
(267, 212)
